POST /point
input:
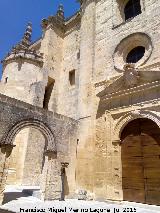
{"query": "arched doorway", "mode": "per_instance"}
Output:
(140, 153)
(31, 138)
(24, 167)
(28, 163)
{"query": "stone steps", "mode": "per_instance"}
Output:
(12, 193)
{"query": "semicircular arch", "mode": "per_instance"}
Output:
(42, 127)
(124, 120)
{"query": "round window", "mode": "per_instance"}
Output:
(135, 54)
(135, 48)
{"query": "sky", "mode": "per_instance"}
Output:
(15, 14)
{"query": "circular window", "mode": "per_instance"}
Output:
(136, 48)
(135, 54)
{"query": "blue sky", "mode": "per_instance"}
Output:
(15, 14)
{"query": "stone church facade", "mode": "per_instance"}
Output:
(80, 108)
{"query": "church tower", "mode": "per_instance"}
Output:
(23, 76)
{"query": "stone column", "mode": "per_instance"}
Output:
(64, 165)
(53, 178)
(117, 171)
(5, 152)
(85, 112)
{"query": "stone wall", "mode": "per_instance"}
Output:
(68, 94)
(100, 35)
(108, 35)
(60, 136)
(52, 48)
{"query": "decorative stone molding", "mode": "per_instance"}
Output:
(52, 21)
(58, 20)
(136, 113)
(131, 75)
(132, 90)
(129, 43)
(48, 134)
(22, 50)
(64, 164)
(27, 55)
(124, 120)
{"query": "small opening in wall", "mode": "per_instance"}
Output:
(48, 92)
(135, 54)
(77, 141)
(6, 80)
(78, 55)
(132, 9)
(72, 78)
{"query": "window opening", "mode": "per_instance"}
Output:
(72, 77)
(132, 9)
(78, 55)
(48, 92)
(6, 80)
(135, 54)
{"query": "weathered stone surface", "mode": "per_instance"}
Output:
(56, 134)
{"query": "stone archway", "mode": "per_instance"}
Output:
(128, 117)
(16, 115)
(43, 128)
(49, 152)
(140, 151)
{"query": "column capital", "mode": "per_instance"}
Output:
(64, 164)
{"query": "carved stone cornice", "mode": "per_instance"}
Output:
(27, 55)
(22, 50)
(72, 21)
(131, 90)
(145, 105)
(54, 22)
(58, 20)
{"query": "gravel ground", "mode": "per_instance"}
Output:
(76, 206)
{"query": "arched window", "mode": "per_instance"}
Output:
(132, 9)
(135, 54)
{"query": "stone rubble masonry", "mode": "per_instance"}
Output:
(13, 112)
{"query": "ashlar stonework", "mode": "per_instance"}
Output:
(85, 95)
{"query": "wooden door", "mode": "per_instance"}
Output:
(141, 162)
